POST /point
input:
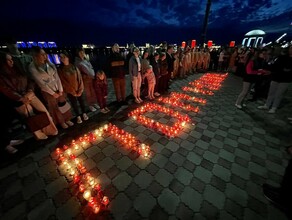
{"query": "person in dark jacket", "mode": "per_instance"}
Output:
(281, 79)
(154, 62)
(116, 66)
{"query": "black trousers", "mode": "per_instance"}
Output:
(74, 100)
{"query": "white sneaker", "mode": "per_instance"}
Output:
(10, 149)
(103, 111)
(64, 125)
(91, 108)
(238, 106)
(16, 142)
(79, 120)
(272, 111)
(96, 106)
(70, 123)
(264, 107)
(85, 117)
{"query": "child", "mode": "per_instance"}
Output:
(151, 81)
(100, 87)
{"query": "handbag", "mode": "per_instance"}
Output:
(64, 106)
(37, 121)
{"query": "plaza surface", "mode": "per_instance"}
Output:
(214, 169)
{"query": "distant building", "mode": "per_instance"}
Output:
(253, 38)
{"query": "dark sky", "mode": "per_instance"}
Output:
(125, 21)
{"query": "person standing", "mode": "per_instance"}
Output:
(281, 79)
(100, 86)
(149, 75)
(135, 73)
(73, 86)
(116, 63)
(88, 74)
(253, 69)
(46, 77)
(170, 62)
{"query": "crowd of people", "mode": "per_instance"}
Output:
(30, 84)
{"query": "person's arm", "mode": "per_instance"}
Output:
(39, 81)
(131, 67)
(85, 70)
(250, 68)
(9, 92)
(80, 82)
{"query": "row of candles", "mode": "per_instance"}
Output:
(170, 131)
(89, 186)
(209, 81)
(175, 99)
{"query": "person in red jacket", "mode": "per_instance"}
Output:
(100, 87)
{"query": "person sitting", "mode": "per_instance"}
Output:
(46, 77)
(19, 90)
(73, 86)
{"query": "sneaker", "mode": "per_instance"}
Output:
(16, 142)
(42, 136)
(238, 106)
(103, 111)
(264, 107)
(91, 108)
(272, 111)
(64, 125)
(10, 149)
(85, 117)
(156, 94)
(79, 120)
(70, 123)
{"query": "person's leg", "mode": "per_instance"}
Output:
(73, 100)
(51, 128)
(135, 88)
(152, 90)
(139, 81)
(122, 83)
(117, 88)
(82, 103)
(282, 87)
(244, 92)
(272, 93)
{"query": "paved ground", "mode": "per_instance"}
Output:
(213, 170)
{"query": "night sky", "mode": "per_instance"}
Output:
(125, 21)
